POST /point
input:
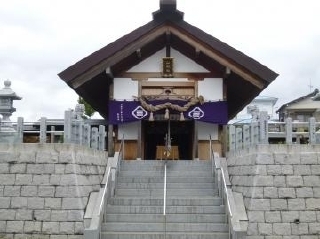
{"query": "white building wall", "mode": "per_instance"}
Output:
(125, 88)
(184, 64)
(207, 129)
(180, 63)
(211, 89)
(129, 131)
(263, 103)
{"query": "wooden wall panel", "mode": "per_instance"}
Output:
(130, 149)
(204, 146)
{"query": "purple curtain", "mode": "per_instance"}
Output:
(129, 111)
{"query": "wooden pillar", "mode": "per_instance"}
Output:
(224, 140)
(111, 146)
(139, 143)
(195, 141)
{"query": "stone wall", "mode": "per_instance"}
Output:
(44, 189)
(281, 188)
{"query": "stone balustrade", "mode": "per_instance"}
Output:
(73, 129)
(262, 131)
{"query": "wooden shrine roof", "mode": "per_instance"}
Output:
(91, 76)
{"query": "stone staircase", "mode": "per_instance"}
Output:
(193, 208)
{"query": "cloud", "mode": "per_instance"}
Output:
(41, 38)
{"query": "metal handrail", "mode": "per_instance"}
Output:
(94, 230)
(165, 198)
(225, 188)
(237, 217)
(165, 189)
(104, 191)
(99, 213)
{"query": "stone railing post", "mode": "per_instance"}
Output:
(239, 138)
(94, 138)
(20, 129)
(254, 130)
(67, 126)
(312, 130)
(263, 126)
(246, 136)
(232, 137)
(289, 130)
(86, 135)
(43, 130)
(77, 124)
(102, 137)
(79, 130)
(52, 129)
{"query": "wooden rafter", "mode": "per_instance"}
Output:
(133, 47)
(218, 58)
(78, 81)
(188, 75)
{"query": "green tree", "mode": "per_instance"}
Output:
(88, 110)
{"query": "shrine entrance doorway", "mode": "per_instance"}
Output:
(182, 137)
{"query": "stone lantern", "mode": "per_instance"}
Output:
(7, 96)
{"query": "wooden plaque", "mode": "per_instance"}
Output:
(167, 67)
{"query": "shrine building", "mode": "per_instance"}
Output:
(167, 83)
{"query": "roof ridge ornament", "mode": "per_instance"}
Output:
(168, 11)
(168, 5)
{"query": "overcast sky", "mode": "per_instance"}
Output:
(40, 38)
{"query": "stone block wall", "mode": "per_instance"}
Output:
(281, 188)
(44, 189)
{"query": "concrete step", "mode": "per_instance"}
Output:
(121, 209)
(194, 210)
(169, 162)
(170, 173)
(160, 167)
(160, 227)
(196, 201)
(170, 192)
(161, 235)
(169, 185)
(159, 179)
(159, 218)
